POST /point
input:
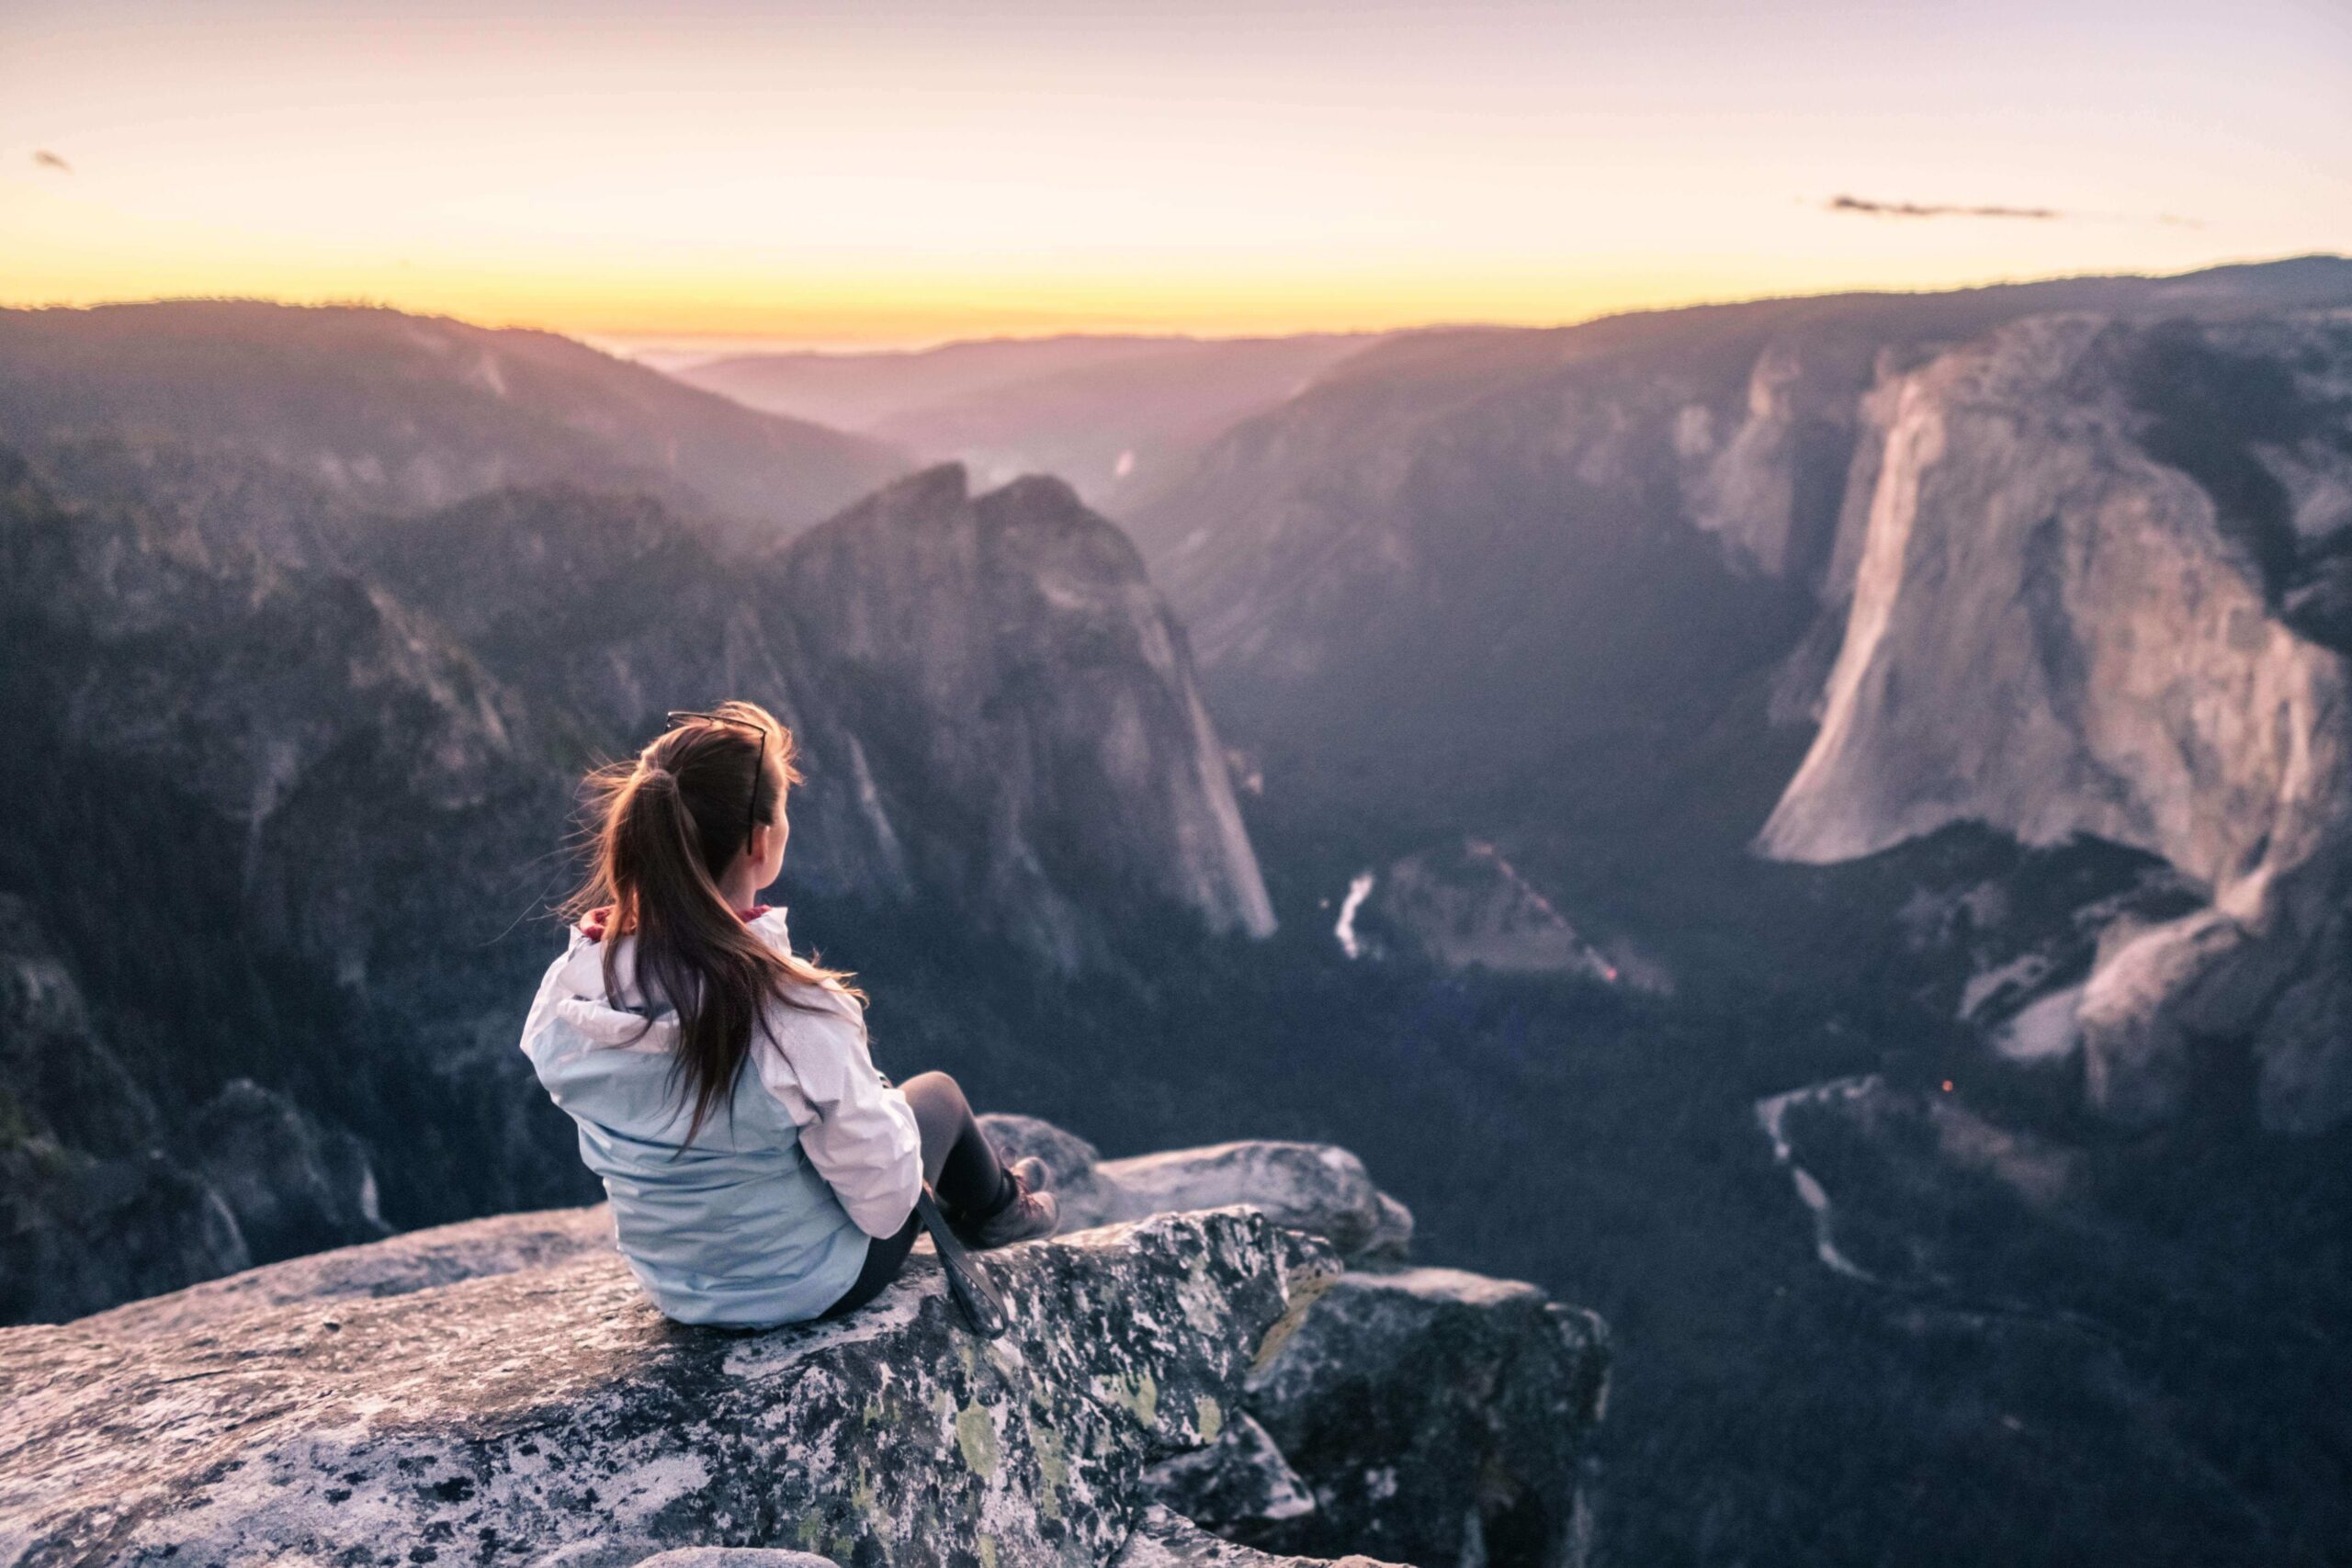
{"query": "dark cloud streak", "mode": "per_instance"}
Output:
(45, 159)
(1869, 209)
(1921, 209)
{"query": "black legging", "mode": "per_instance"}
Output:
(961, 1165)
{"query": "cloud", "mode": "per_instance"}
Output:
(45, 159)
(1923, 209)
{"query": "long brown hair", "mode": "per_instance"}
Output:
(665, 828)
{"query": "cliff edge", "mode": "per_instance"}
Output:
(1200, 1385)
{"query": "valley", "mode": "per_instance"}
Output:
(1852, 790)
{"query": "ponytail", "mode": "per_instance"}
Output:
(666, 826)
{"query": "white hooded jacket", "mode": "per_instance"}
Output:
(764, 1218)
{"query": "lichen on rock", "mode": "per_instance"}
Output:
(552, 1412)
(500, 1392)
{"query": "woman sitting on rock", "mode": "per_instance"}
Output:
(761, 1170)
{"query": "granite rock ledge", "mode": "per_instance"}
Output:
(499, 1391)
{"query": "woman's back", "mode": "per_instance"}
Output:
(735, 1226)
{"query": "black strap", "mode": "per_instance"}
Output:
(975, 1294)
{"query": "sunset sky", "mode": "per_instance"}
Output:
(897, 172)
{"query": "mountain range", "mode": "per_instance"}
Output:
(2058, 560)
(372, 408)
(1815, 827)
(286, 824)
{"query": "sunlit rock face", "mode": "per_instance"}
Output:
(1542, 562)
(499, 1390)
(2089, 601)
(1006, 709)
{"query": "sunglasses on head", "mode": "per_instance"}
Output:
(759, 760)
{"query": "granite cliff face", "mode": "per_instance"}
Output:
(500, 1391)
(996, 707)
(1058, 744)
(2082, 609)
(2059, 560)
(1557, 561)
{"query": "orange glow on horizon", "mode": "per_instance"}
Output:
(816, 171)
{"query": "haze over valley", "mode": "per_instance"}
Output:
(1813, 827)
(1622, 733)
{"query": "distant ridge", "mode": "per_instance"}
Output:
(406, 413)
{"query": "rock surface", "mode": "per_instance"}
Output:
(1239, 1487)
(499, 1391)
(1437, 1416)
(551, 1415)
(418, 1260)
(735, 1557)
(1167, 1540)
(2065, 623)
(1316, 1188)
(1051, 708)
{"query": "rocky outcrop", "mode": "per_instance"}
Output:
(551, 1411)
(1435, 1416)
(1548, 564)
(1239, 1487)
(1314, 1187)
(1466, 904)
(2058, 629)
(501, 1391)
(1165, 1539)
(398, 1266)
(1009, 714)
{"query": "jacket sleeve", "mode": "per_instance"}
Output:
(858, 1131)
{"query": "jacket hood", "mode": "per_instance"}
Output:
(625, 1018)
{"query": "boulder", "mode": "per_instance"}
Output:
(1438, 1418)
(548, 1415)
(1317, 1187)
(1239, 1487)
(735, 1557)
(1165, 1539)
